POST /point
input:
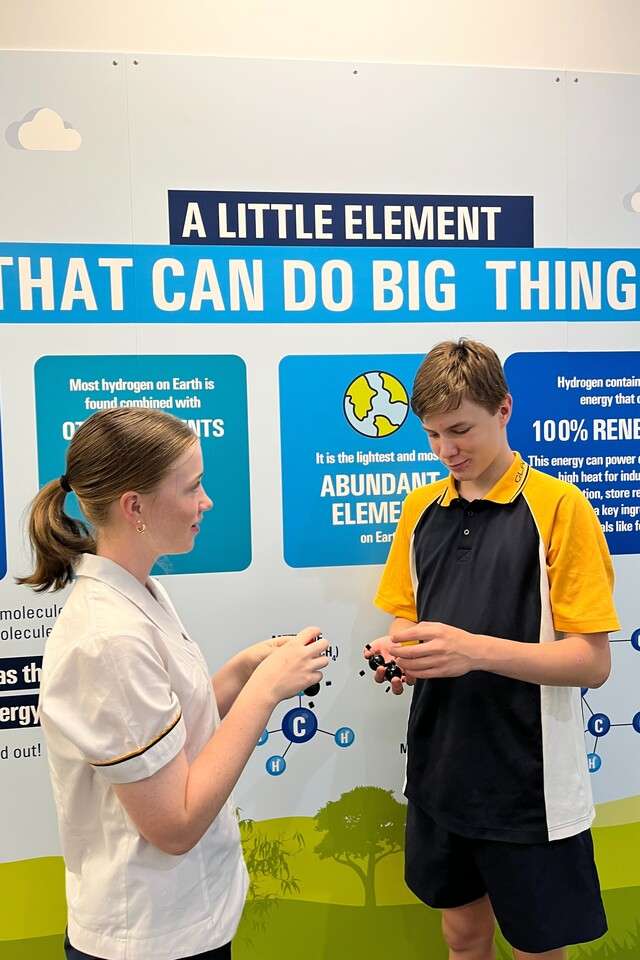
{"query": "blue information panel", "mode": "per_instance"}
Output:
(351, 451)
(3, 535)
(577, 416)
(208, 392)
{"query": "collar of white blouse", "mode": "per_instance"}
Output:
(151, 598)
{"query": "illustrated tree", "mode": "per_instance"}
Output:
(267, 860)
(360, 829)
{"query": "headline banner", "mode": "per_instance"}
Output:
(333, 219)
(73, 283)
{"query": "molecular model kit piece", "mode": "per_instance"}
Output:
(300, 725)
(377, 660)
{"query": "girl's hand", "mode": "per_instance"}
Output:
(294, 665)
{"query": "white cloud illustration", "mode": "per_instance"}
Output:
(46, 131)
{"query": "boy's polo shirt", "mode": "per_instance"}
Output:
(124, 689)
(488, 756)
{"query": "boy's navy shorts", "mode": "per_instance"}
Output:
(544, 895)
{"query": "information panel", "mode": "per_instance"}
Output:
(351, 451)
(577, 416)
(207, 392)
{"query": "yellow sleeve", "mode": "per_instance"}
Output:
(580, 569)
(396, 592)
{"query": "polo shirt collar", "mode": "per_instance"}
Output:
(109, 572)
(506, 490)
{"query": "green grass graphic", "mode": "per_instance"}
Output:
(322, 913)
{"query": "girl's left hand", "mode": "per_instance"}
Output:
(258, 652)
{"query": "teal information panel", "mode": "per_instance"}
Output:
(208, 392)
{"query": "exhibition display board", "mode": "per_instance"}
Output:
(267, 249)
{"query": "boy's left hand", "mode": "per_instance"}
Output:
(436, 650)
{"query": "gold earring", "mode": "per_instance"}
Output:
(141, 526)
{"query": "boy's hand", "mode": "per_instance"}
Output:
(431, 650)
(386, 647)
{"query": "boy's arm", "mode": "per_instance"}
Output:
(576, 660)
(440, 650)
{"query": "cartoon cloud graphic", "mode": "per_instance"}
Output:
(46, 131)
(631, 201)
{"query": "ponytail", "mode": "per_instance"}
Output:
(57, 540)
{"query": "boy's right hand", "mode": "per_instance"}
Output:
(294, 666)
(389, 651)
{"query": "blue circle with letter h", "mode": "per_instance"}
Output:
(276, 765)
(636, 723)
(594, 762)
(344, 737)
(635, 639)
(299, 725)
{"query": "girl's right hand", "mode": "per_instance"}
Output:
(294, 666)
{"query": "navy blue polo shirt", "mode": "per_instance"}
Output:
(488, 756)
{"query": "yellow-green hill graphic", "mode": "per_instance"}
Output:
(305, 892)
(618, 811)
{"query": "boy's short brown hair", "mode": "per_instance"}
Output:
(454, 371)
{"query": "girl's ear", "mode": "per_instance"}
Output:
(130, 507)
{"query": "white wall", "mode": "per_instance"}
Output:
(601, 35)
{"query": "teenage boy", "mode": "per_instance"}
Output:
(499, 582)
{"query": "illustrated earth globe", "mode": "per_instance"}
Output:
(376, 404)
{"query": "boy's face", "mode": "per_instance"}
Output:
(470, 439)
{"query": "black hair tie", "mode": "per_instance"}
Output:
(64, 483)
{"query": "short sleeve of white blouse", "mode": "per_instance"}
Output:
(111, 697)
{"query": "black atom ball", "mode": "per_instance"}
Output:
(393, 670)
